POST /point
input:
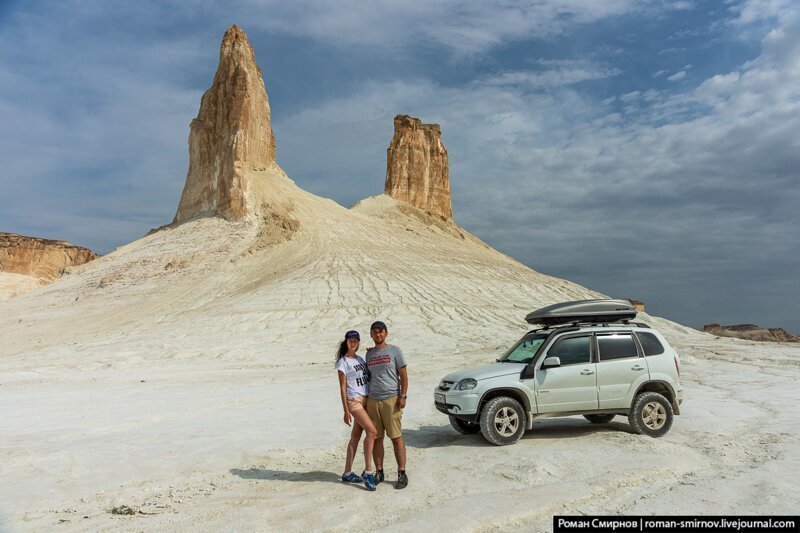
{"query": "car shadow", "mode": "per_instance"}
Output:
(566, 428)
(555, 428)
(440, 437)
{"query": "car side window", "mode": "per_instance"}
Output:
(616, 346)
(572, 350)
(650, 343)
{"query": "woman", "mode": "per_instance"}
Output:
(354, 389)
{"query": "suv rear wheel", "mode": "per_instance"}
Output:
(599, 419)
(464, 427)
(651, 414)
(502, 421)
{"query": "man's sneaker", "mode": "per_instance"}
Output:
(351, 477)
(369, 481)
(378, 476)
(402, 481)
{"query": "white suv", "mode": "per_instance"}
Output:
(584, 362)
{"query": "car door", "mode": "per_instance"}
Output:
(571, 386)
(619, 367)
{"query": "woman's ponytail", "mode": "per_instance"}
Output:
(341, 351)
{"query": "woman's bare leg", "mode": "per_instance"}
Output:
(362, 420)
(352, 446)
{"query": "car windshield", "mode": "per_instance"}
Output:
(524, 350)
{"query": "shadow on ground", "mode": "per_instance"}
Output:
(315, 476)
(283, 475)
(562, 428)
(565, 428)
(440, 437)
(305, 477)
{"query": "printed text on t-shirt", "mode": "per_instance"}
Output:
(361, 368)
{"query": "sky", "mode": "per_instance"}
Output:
(644, 149)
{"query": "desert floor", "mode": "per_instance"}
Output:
(260, 447)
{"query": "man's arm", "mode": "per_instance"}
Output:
(403, 375)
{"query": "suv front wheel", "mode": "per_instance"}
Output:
(651, 414)
(502, 421)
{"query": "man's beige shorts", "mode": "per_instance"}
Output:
(386, 416)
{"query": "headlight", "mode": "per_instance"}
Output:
(466, 384)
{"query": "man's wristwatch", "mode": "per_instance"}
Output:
(404, 396)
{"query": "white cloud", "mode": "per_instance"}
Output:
(465, 27)
(631, 96)
(751, 11)
(677, 76)
(561, 73)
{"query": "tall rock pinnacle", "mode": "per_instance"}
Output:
(417, 170)
(230, 137)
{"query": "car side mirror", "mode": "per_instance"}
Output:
(551, 362)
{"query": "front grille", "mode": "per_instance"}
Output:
(446, 385)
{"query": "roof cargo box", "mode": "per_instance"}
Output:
(583, 311)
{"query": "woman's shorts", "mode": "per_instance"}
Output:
(357, 403)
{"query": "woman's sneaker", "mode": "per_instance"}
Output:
(369, 481)
(351, 477)
(378, 476)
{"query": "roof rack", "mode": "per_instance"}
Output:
(576, 326)
(606, 324)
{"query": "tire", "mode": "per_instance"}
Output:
(599, 419)
(650, 414)
(464, 427)
(502, 421)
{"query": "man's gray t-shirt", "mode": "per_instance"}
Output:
(384, 365)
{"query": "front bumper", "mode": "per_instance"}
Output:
(462, 404)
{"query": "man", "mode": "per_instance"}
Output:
(388, 393)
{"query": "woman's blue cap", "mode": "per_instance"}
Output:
(352, 334)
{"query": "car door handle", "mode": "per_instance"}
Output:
(637, 367)
(587, 372)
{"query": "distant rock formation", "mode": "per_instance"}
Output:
(637, 304)
(43, 259)
(752, 332)
(231, 136)
(417, 170)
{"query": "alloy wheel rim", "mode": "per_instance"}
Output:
(654, 415)
(506, 421)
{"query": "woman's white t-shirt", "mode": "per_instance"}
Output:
(355, 370)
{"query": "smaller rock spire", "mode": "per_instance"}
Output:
(417, 170)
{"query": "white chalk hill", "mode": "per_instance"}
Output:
(300, 271)
(253, 267)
